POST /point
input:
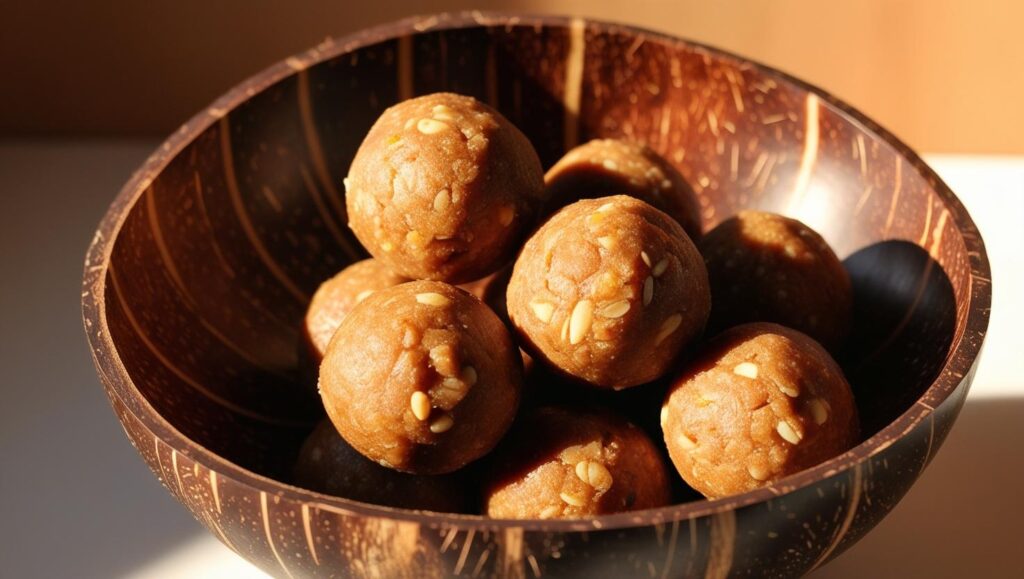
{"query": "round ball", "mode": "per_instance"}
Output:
(327, 464)
(614, 167)
(421, 377)
(764, 267)
(443, 188)
(760, 403)
(336, 297)
(609, 291)
(566, 463)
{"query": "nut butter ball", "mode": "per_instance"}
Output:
(609, 291)
(567, 463)
(443, 188)
(764, 267)
(615, 167)
(760, 403)
(336, 297)
(327, 464)
(421, 377)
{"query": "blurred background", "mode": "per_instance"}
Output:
(942, 74)
(89, 89)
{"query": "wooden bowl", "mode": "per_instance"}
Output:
(198, 275)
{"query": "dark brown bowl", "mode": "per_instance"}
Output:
(197, 278)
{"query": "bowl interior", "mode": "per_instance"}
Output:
(218, 254)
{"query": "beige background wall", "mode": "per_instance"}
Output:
(948, 76)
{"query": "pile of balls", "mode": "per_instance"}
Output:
(585, 299)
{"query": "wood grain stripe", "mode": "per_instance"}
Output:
(723, 542)
(466, 545)
(898, 188)
(316, 156)
(573, 82)
(307, 527)
(810, 154)
(234, 193)
(851, 511)
(265, 516)
(336, 233)
(178, 282)
(670, 552)
(221, 401)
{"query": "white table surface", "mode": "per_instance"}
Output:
(76, 501)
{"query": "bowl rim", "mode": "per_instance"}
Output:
(957, 368)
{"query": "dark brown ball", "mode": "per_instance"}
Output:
(421, 377)
(760, 403)
(605, 167)
(609, 291)
(329, 465)
(764, 267)
(445, 188)
(570, 463)
(336, 297)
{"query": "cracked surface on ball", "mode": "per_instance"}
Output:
(443, 187)
(759, 403)
(569, 463)
(609, 291)
(421, 377)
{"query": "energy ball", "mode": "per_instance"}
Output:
(609, 291)
(336, 297)
(421, 377)
(562, 463)
(760, 403)
(327, 464)
(612, 167)
(444, 188)
(764, 267)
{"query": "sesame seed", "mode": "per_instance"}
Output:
(430, 126)
(664, 415)
(565, 329)
(746, 369)
(606, 207)
(594, 219)
(550, 511)
(609, 164)
(788, 390)
(615, 309)
(646, 258)
(598, 476)
(347, 183)
(442, 200)
(581, 471)
(648, 290)
(542, 310)
(788, 433)
(580, 321)
(432, 299)
(409, 123)
(442, 424)
(469, 375)
(671, 324)
(573, 500)
(757, 473)
(363, 295)
(606, 242)
(414, 238)
(686, 442)
(455, 385)
(410, 338)
(660, 267)
(420, 404)
(387, 246)
(818, 411)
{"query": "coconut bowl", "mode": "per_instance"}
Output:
(198, 276)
